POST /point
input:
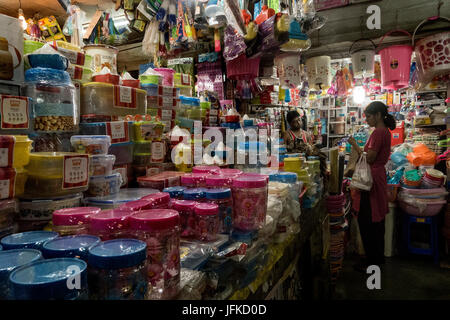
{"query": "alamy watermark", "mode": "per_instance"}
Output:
(374, 280)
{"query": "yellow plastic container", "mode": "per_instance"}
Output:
(22, 149)
(292, 164)
(21, 179)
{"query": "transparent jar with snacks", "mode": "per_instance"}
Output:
(207, 222)
(73, 221)
(111, 224)
(223, 198)
(186, 210)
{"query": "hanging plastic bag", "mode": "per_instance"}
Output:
(234, 44)
(362, 178)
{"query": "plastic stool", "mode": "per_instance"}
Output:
(432, 222)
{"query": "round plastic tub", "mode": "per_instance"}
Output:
(73, 221)
(194, 180)
(11, 260)
(48, 279)
(42, 209)
(91, 144)
(31, 239)
(70, 247)
(196, 194)
(111, 224)
(21, 179)
(101, 186)
(123, 152)
(18, 150)
(185, 209)
(101, 164)
(102, 55)
(205, 169)
(175, 192)
(160, 200)
(137, 205)
(207, 222)
(8, 178)
(159, 228)
(116, 200)
(223, 198)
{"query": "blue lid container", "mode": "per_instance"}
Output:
(248, 123)
(287, 177)
(52, 61)
(52, 279)
(12, 259)
(30, 239)
(195, 102)
(47, 76)
(231, 125)
(273, 177)
(117, 254)
(175, 192)
(194, 194)
(70, 247)
(215, 194)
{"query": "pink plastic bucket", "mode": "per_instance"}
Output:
(167, 76)
(395, 64)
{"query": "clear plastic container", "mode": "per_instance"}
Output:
(112, 100)
(11, 260)
(8, 209)
(101, 164)
(123, 152)
(160, 200)
(194, 180)
(142, 147)
(207, 221)
(159, 228)
(76, 246)
(116, 200)
(175, 192)
(55, 107)
(223, 198)
(16, 114)
(42, 209)
(119, 131)
(195, 194)
(91, 144)
(161, 180)
(142, 159)
(111, 224)
(118, 270)
(102, 186)
(52, 174)
(250, 202)
(157, 90)
(48, 279)
(147, 130)
(186, 211)
(31, 240)
(73, 221)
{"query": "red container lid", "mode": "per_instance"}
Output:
(230, 171)
(183, 205)
(136, 205)
(219, 180)
(6, 141)
(7, 173)
(193, 178)
(73, 216)
(155, 220)
(254, 174)
(205, 169)
(250, 181)
(110, 220)
(107, 78)
(207, 209)
(131, 83)
(158, 198)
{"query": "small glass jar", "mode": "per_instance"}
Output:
(73, 221)
(207, 222)
(69, 247)
(195, 194)
(29, 239)
(111, 224)
(222, 197)
(159, 200)
(137, 205)
(117, 270)
(48, 280)
(187, 216)
(194, 180)
(160, 229)
(175, 192)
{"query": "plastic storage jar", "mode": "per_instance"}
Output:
(137, 205)
(194, 180)
(116, 200)
(52, 174)
(220, 181)
(70, 247)
(11, 260)
(91, 144)
(42, 209)
(101, 164)
(47, 280)
(206, 169)
(123, 152)
(31, 239)
(117, 270)
(175, 192)
(223, 198)
(196, 194)
(160, 181)
(207, 222)
(16, 151)
(73, 221)
(102, 186)
(142, 153)
(250, 202)
(111, 224)
(160, 200)
(186, 211)
(159, 228)
(21, 179)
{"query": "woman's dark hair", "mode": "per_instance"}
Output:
(291, 115)
(379, 107)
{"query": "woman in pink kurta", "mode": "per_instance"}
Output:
(374, 204)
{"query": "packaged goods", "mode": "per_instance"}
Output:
(223, 198)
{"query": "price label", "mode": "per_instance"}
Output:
(4, 189)
(75, 171)
(185, 79)
(158, 151)
(125, 97)
(118, 130)
(166, 114)
(14, 113)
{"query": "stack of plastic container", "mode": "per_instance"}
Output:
(188, 106)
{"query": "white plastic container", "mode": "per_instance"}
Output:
(102, 164)
(91, 144)
(101, 186)
(319, 72)
(102, 56)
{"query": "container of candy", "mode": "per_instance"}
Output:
(91, 144)
(223, 198)
(161, 180)
(207, 221)
(175, 192)
(195, 194)
(31, 239)
(11, 260)
(101, 164)
(205, 169)
(250, 202)
(136, 205)
(118, 270)
(159, 228)
(111, 224)
(16, 114)
(8, 209)
(102, 186)
(48, 279)
(160, 200)
(123, 152)
(76, 246)
(42, 209)
(7, 182)
(52, 174)
(116, 200)
(73, 221)
(194, 180)
(186, 211)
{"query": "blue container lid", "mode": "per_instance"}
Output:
(231, 125)
(69, 247)
(12, 259)
(30, 239)
(117, 254)
(190, 101)
(242, 236)
(249, 123)
(121, 144)
(1, 248)
(194, 193)
(175, 191)
(273, 177)
(287, 177)
(49, 279)
(221, 193)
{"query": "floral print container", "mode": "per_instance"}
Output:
(207, 223)
(222, 197)
(73, 221)
(159, 200)
(111, 224)
(186, 211)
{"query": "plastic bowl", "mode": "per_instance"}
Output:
(52, 61)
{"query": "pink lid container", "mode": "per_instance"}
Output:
(167, 76)
(73, 216)
(193, 179)
(155, 220)
(250, 181)
(205, 169)
(254, 174)
(230, 171)
(157, 199)
(110, 220)
(207, 209)
(184, 205)
(219, 180)
(136, 205)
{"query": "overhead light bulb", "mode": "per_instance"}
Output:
(22, 20)
(359, 95)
